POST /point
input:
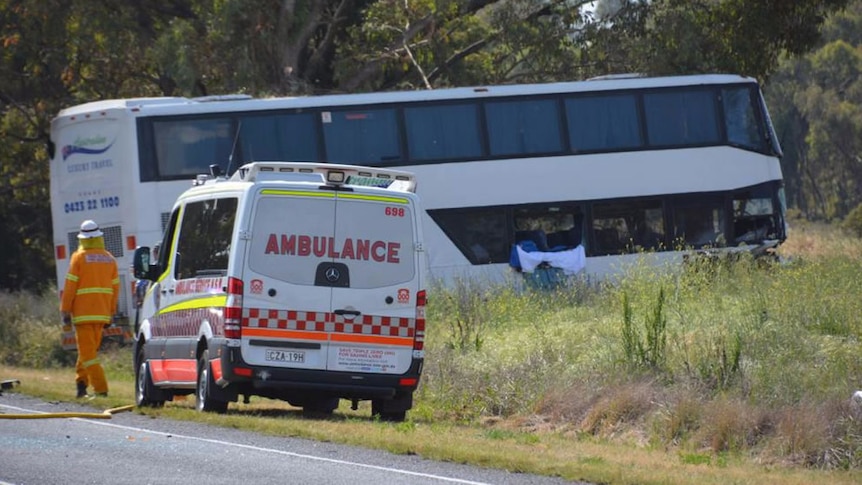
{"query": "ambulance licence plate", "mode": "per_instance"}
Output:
(291, 356)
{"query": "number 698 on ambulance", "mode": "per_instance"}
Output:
(303, 282)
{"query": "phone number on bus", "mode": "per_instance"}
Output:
(92, 204)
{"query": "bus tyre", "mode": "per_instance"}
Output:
(146, 393)
(204, 400)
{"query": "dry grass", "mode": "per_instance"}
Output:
(754, 388)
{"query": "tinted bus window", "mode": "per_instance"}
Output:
(740, 119)
(603, 123)
(481, 235)
(363, 136)
(443, 132)
(698, 222)
(285, 137)
(185, 148)
(623, 227)
(677, 118)
(523, 127)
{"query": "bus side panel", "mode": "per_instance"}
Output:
(93, 175)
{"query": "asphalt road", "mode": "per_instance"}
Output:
(131, 448)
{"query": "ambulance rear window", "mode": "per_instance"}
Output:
(293, 235)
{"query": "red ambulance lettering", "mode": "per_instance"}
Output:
(319, 246)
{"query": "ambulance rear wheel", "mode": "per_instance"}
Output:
(379, 410)
(319, 407)
(145, 390)
(204, 401)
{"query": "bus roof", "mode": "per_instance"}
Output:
(170, 105)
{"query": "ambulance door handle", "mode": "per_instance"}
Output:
(352, 313)
(164, 292)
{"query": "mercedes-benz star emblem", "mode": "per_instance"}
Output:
(332, 274)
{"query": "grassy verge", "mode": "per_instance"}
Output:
(726, 372)
(487, 445)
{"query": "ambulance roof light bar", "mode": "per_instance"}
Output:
(336, 174)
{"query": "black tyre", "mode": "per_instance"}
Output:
(319, 407)
(146, 393)
(204, 400)
(378, 409)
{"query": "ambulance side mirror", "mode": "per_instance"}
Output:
(142, 267)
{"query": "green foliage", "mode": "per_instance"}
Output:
(853, 221)
(645, 349)
(30, 331)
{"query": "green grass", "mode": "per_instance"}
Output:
(724, 372)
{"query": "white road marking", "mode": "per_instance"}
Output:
(268, 450)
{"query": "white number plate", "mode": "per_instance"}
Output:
(292, 356)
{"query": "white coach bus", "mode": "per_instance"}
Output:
(608, 169)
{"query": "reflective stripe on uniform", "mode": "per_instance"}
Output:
(71, 277)
(91, 362)
(89, 291)
(92, 319)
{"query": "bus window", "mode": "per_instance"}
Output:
(677, 118)
(603, 123)
(754, 217)
(443, 132)
(288, 137)
(559, 228)
(523, 127)
(740, 121)
(698, 222)
(187, 147)
(623, 227)
(361, 136)
(481, 235)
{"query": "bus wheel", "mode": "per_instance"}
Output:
(145, 390)
(204, 400)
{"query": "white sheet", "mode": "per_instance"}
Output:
(570, 261)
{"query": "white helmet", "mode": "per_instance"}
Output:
(89, 229)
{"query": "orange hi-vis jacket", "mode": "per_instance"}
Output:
(92, 285)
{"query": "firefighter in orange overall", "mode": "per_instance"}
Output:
(89, 300)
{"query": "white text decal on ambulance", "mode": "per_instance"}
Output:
(198, 285)
(320, 246)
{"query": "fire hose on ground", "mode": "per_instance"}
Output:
(106, 414)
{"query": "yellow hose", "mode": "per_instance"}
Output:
(106, 414)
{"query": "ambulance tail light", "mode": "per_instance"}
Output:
(419, 339)
(233, 309)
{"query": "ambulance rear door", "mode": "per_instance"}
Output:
(375, 275)
(286, 316)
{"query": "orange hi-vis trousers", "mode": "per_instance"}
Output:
(88, 368)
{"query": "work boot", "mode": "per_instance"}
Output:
(82, 390)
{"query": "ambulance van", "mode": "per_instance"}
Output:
(302, 282)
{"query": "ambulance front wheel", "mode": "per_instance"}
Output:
(204, 400)
(146, 393)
